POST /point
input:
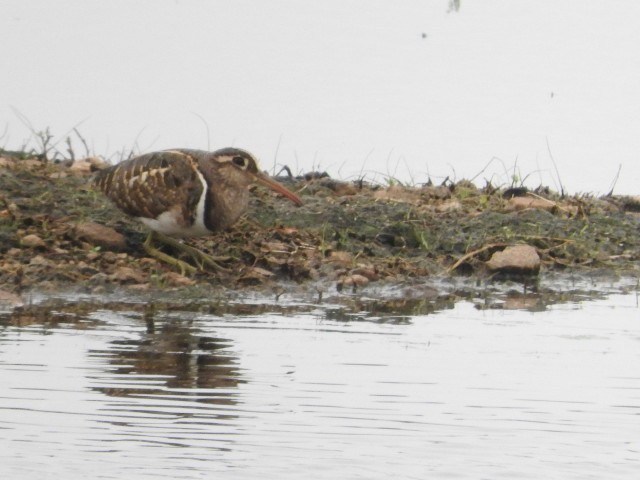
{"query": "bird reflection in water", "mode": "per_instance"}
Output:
(169, 358)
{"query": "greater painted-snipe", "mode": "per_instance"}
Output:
(185, 193)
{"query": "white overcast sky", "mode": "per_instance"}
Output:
(399, 88)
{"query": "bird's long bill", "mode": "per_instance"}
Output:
(273, 185)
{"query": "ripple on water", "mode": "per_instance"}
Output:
(117, 393)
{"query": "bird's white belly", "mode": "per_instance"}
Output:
(167, 223)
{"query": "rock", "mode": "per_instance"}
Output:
(338, 187)
(353, 281)
(87, 165)
(523, 203)
(31, 163)
(341, 258)
(127, 275)
(398, 193)
(145, 262)
(255, 275)
(450, 205)
(109, 257)
(92, 256)
(366, 271)
(7, 162)
(178, 280)
(522, 302)
(32, 241)
(100, 235)
(315, 175)
(522, 259)
(99, 278)
(9, 298)
(39, 260)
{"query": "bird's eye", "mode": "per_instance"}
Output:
(240, 162)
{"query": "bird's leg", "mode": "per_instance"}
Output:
(163, 257)
(200, 258)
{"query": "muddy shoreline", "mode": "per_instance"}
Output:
(58, 233)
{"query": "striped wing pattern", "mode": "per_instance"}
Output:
(151, 184)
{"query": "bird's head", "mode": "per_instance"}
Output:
(242, 165)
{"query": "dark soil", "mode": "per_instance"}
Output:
(345, 235)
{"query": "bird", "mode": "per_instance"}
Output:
(183, 193)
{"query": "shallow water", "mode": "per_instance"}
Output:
(265, 390)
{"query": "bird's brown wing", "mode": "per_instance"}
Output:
(151, 184)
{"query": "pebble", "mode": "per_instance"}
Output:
(100, 235)
(39, 260)
(353, 280)
(32, 241)
(518, 258)
(523, 203)
(127, 275)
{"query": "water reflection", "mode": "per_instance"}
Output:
(422, 386)
(176, 353)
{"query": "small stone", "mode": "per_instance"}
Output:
(521, 302)
(255, 275)
(524, 203)
(127, 275)
(99, 278)
(100, 235)
(92, 256)
(31, 163)
(147, 262)
(9, 298)
(7, 162)
(515, 259)
(38, 260)
(87, 165)
(450, 205)
(175, 279)
(366, 271)
(338, 187)
(353, 280)
(342, 258)
(32, 241)
(398, 193)
(109, 257)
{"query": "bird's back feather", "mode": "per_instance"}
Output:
(150, 185)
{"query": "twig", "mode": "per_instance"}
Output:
(555, 167)
(275, 155)
(615, 180)
(72, 155)
(84, 142)
(285, 168)
(485, 168)
(565, 242)
(469, 255)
